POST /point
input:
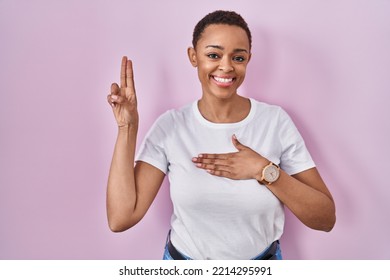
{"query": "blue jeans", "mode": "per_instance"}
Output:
(278, 254)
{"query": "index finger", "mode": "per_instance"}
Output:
(123, 72)
(214, 156)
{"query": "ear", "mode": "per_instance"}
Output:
(192, 56)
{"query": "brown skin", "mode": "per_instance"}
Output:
(222, 52)
(130, 190)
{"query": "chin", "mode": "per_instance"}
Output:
(224, 96)
(224, 93)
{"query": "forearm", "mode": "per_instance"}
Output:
(311, 206)
(121, 189)
(305, 193)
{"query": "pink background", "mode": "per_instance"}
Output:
(326, 62)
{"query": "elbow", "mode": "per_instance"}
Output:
(119, 225)
(322, 222)
(331, 220)
(327, 228)
(325, 224)
(328, 219)
(330, 224)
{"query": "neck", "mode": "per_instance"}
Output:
(229, 110)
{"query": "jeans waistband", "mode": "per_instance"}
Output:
(268, 254)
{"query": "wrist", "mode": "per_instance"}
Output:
(269, 174)
(127, 128)
(259, 168)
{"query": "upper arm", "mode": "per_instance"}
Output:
(148, 180)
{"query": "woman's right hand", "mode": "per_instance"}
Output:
(123, 99)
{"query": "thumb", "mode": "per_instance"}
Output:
(237, 143)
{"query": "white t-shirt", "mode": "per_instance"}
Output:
(215, 217)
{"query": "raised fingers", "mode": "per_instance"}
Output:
(123, 72)
(129, 75)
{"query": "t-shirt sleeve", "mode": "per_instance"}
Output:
(295, 156)
(152, 149)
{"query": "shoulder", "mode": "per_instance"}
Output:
(268, 111)
(173, 117)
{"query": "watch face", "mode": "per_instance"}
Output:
(271, 173)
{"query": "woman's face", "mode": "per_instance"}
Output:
(221, 56)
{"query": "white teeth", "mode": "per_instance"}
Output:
(223, 80)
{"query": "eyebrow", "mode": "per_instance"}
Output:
(222, 48)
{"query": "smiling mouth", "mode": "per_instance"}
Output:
(223, 81)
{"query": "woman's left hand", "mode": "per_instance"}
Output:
(244, 164)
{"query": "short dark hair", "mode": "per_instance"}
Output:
(220, 17)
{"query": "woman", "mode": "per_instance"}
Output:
(232, 162)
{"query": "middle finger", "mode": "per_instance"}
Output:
(220, 161)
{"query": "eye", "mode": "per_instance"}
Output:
(239, 58)
(213, 56)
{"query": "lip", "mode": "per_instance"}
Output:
(223, 81)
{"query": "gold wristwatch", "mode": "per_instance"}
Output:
(270, 174)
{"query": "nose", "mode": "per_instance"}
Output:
(226, 65)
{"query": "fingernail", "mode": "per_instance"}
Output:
(200, 156)
(115, 97)
(194, 159)
(234, 137)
